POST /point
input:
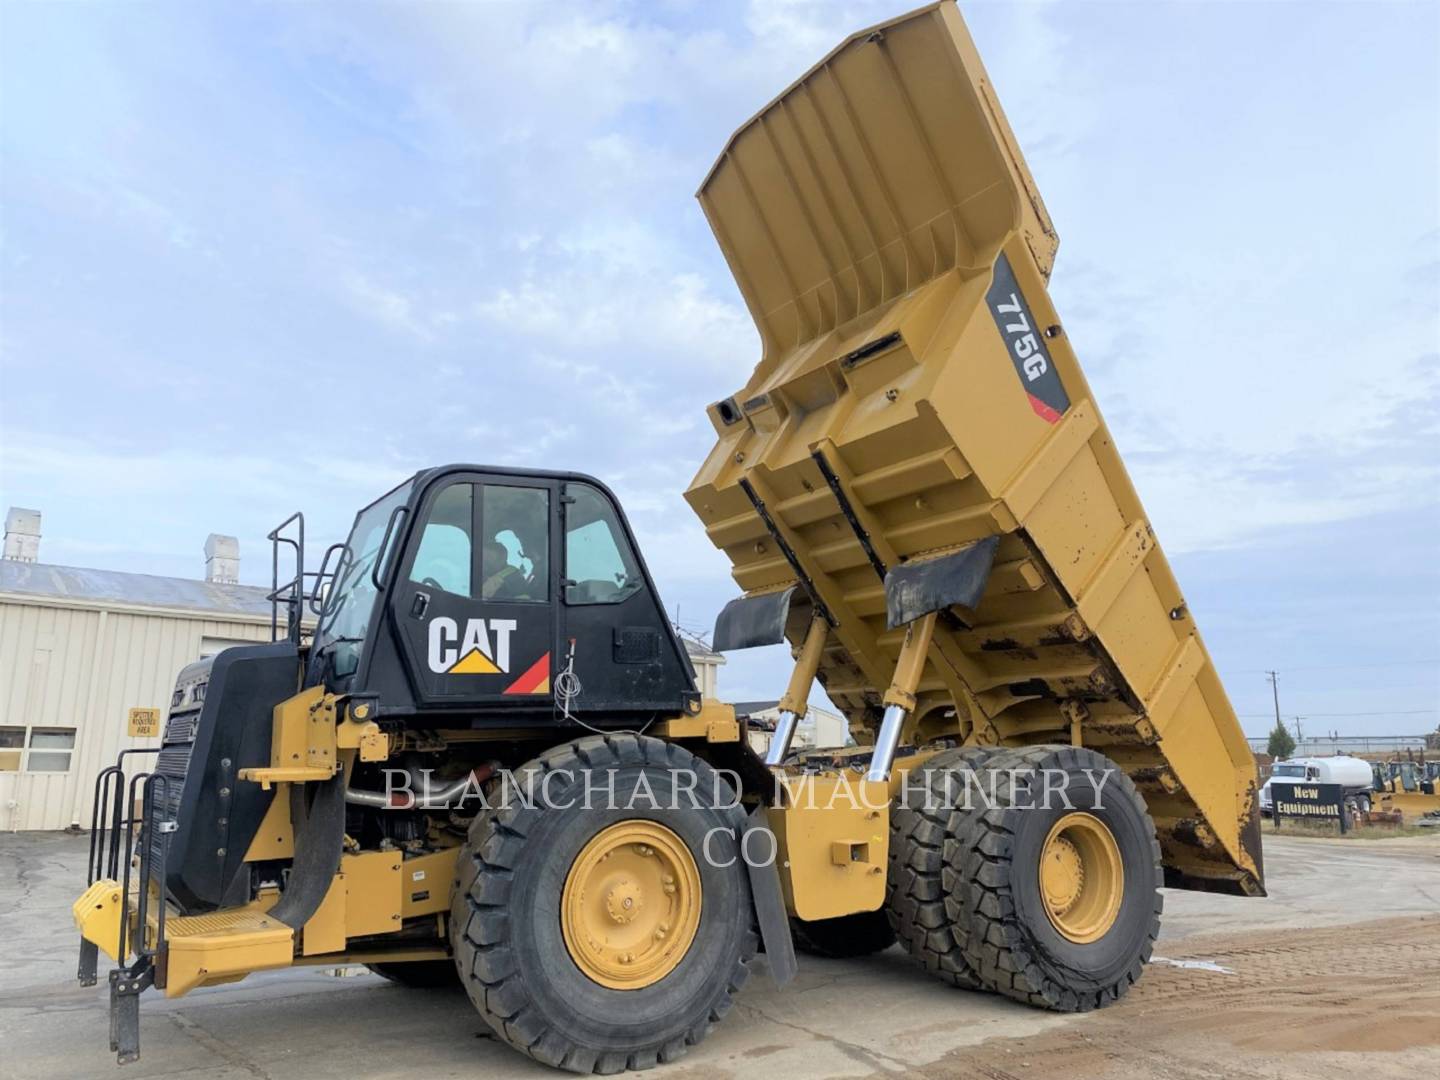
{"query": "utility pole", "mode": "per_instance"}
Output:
(1299, 734)
(1273, 676)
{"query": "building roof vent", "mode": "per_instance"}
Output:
(222, 559)
(22, 534)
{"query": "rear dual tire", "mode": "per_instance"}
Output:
(914, 888)
(1055, 901)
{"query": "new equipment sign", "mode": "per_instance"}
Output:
(1309, 802)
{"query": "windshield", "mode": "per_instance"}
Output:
(1289, 770)
(350, 601)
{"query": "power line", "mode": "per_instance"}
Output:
(1387, 712)
(1343, 667)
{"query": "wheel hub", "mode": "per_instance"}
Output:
(1082, 879)
(623, 902)
(1063, 874)
(631, 905)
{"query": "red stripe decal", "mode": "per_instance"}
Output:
(1045, 412)
(529, 683)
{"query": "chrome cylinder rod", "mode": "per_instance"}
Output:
(886, 743)
(780, 741)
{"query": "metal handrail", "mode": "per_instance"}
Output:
(100, 810)
(316, 600)
(129, 980)
(380, 568)
(297, 583)
(142, 836)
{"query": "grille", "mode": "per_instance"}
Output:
(636, 645)
(181, 728)
(173, 762)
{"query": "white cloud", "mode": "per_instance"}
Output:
(388, 306)
(424, 233)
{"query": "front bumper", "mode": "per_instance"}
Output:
(198, 949)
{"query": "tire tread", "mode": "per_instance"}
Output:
(914, 887)
(480, 917)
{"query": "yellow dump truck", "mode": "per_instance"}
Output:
(490, 763)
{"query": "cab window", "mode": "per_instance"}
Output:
(515, 551)
(599, 563)
(443, 559)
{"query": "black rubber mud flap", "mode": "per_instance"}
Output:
(126, 986)
(769, 901)
(89, 961)
(954, 580)
(319, 840)
(751, 621)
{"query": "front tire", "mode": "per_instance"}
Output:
(603, 939)
(1059, 897)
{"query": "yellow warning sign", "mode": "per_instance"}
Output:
(144, 723)
(474, 662)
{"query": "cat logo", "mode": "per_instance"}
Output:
(483, 648)
(476, 652)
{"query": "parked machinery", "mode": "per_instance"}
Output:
(1407, 785)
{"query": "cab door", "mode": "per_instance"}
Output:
(473, 604)
(619, 646)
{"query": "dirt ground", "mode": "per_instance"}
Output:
(1335, 974)
(1341, 1002)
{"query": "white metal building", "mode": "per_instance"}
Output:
(80, 648)
(706, 662)
(818, 728)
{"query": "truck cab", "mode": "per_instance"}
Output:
(464, 592)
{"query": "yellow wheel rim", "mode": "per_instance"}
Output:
(631, 905)
(1082, 879)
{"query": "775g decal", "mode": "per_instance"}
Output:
(1026, 344)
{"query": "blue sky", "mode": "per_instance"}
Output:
(257, 258)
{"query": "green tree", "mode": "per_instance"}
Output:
(1281, 745)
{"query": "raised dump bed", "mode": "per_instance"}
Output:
(918, 393)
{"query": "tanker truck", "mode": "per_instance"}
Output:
(490, 764)
(1357, 777)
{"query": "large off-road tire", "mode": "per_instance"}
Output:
(1057, 897)
(420, 974)
(914, 894)
(551, 896)
(860, 934)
